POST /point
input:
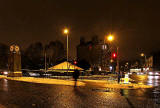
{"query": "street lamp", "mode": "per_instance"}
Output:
(66, 31)
(143, 55)
(110, 38)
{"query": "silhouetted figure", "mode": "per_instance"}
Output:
(76, 74)
(119, 77)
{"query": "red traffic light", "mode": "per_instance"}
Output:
(75, 62)
(114, 55)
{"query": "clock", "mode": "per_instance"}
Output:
(16, 48)
(11, 48)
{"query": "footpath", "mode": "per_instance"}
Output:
(43, 80)
(114, 84)
(81, 82)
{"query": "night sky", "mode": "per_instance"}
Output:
(134, 23)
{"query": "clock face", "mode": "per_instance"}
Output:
(16, 48)
(11, 48)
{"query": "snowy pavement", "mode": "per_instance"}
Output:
(81, 82)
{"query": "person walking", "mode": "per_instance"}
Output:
(119, 77)
(76, 74)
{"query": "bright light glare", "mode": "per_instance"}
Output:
(5, 73)
(150, 73)
(156, 73)
(110, 38)
(110, 67)
(150, 77)
(66, 31)
(100, 69)
(156, 77)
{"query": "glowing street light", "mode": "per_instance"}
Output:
(110, 38)
(142, 54)
(66, 31)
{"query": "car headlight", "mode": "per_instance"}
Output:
(5, 73)
(150, 73)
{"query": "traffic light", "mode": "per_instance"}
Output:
(114, 55)
(75, 62)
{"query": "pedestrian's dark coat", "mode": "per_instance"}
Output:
(76, 74)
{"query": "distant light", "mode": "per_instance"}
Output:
(114, 55)
(156, 73)
(150, 73)
(130, 73)
(142, 54)
(5, 73)
(150, 77)
(156, 77)
(104, 47)
(110, 68)
(100, 69)
(34, 74)
(75, 62)
(111, 60)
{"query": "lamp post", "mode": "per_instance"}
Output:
(143, 55)
(117, 59)
(110, 38)
(45, 60)
(66, 31)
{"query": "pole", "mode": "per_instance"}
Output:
(67, 54)
(117, 59)
(145, 64)
(145, 60)
(45, 62)
(45, 66)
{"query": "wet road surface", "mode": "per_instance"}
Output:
(14, 94)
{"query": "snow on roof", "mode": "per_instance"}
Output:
(63, 66)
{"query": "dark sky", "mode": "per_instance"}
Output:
(135, 23)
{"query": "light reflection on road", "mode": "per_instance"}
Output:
(53, 95)
(147, 79)
(5, 85)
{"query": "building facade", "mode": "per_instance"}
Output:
(95, 52)
(153, 62)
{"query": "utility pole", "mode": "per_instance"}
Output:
(66, 31)
(45, 62)
(117, 59)
(67, 54)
